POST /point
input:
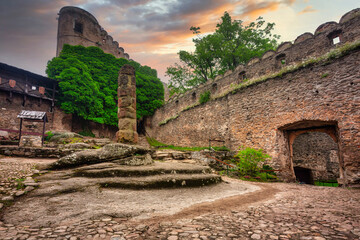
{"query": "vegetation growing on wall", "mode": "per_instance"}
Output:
(88, 81)
(324, 59)
(204, 97)
(231, 44)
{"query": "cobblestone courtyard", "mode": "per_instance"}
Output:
(277, 211)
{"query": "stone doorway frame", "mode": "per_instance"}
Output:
(292, 130)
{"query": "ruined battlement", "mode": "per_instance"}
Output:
(79, 27)
(326, 37)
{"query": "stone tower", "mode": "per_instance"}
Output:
(78, 27)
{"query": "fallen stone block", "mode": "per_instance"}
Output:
(108, 153)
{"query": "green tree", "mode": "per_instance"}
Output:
(238, 43)
(88, 84)
(182, 78)
(231, 44)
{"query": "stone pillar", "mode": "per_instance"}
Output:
(127, 105)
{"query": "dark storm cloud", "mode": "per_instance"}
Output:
(28, 31)
(164, 16)
(186, 7)
(128, 3)
(25, 17)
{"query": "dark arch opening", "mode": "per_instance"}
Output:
(315, 158)
(304, 175)
(312, 128)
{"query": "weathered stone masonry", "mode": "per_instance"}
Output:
(323, 97)
(78, 27)
(127, 105)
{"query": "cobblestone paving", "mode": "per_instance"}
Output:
(297, 212)
(10, 174)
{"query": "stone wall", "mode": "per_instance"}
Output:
(10, 107)
(318, 152)
(261, 115)
(304, 47)
(78, 27)
(98, 129)
(58, 120)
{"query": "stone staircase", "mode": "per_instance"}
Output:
(112, 175)
(157, 175)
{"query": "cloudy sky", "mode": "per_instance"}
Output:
(151, 31)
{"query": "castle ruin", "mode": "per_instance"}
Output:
(299, 103)
(310, 86)
(78, 27)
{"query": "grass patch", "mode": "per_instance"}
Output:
(73, 140)
(326, 183)
(168, 120)
(20, 183)
(324, 75)
(154, 143)
(190, 107)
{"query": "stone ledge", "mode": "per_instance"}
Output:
(32, 152)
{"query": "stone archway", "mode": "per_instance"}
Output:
(316, 154)
(315, 157)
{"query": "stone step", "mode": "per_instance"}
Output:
(162, 181)
(107, 170)
(170, 154)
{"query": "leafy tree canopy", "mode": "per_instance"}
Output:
(231, 44)
(88, 84)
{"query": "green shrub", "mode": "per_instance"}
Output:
(267, 168)
(248, 159)
(48, 136)
(204, 97)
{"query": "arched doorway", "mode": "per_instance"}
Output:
(315, 157)
(313, 151)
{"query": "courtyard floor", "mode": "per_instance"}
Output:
(274, 211)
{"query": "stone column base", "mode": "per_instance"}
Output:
(126, 136)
